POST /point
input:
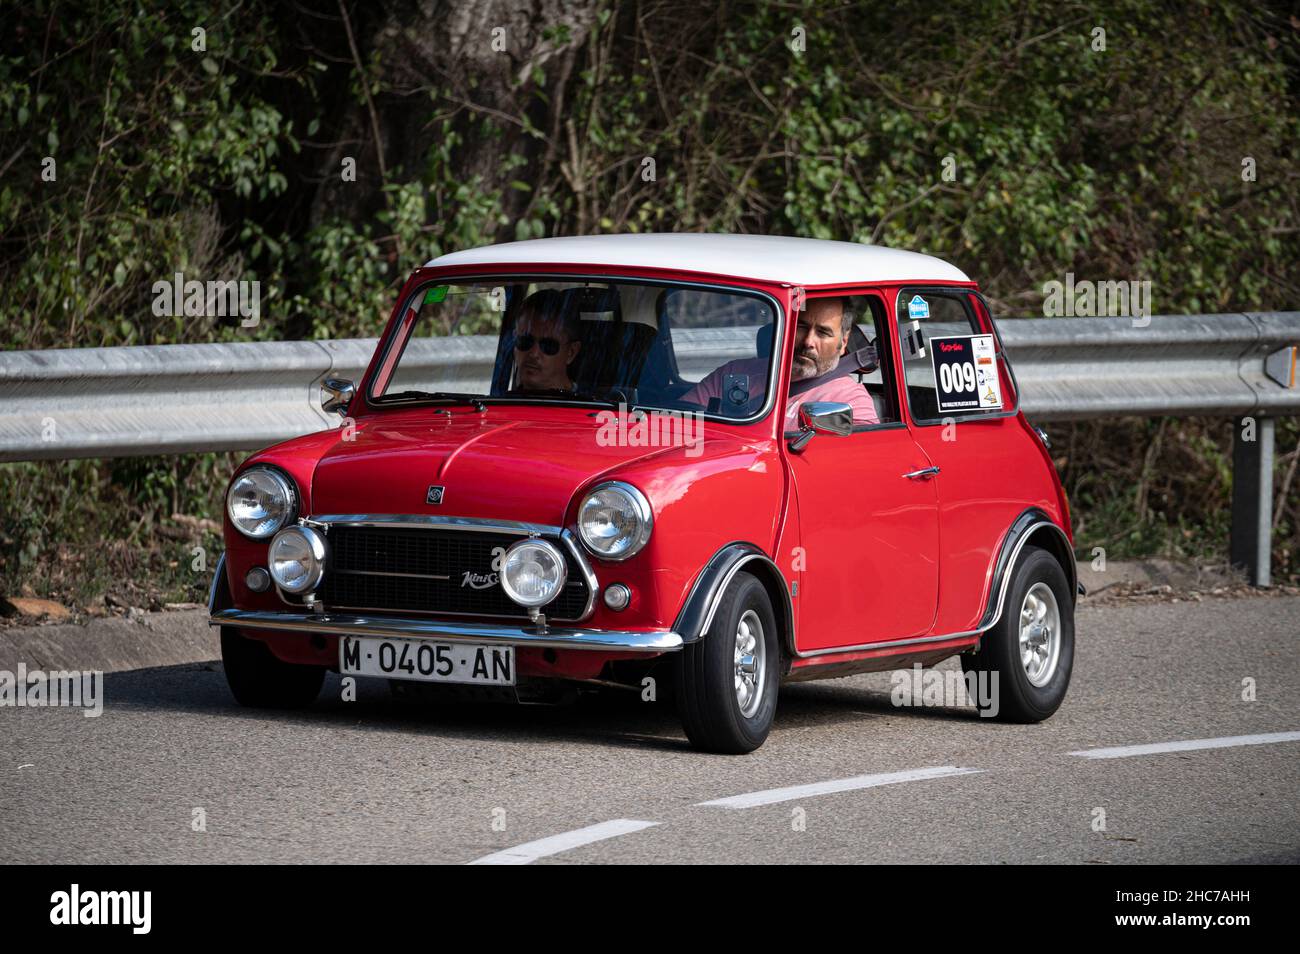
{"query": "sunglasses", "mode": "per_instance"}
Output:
(549, 346)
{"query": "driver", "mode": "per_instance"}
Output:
(546, 342)
(821, 338)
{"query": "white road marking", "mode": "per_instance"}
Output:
(1124, 751)
(530, 851)
(567, 841)
(773, 795)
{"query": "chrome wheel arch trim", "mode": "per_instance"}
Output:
(1030, 523)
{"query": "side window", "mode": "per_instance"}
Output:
(721, 352)
(951, 365)
(861, 377)
(869, 341)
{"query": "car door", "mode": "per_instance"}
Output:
(867, 559)
(972, 435)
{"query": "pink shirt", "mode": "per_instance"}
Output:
(844, 389)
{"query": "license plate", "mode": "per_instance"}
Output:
(425, 661)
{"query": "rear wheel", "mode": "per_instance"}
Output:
(1031, 649)
(727, 681)
(259, 680)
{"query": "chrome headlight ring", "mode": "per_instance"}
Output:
(615, 521)
(261, 501)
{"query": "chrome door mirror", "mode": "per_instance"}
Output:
(336, 395)
(826, 417)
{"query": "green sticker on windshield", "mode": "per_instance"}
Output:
(435, 295)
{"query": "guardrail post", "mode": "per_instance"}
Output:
(1252, 498)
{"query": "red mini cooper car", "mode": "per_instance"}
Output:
(728, 461)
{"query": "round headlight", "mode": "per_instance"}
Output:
(615, 521)
(260, 502)
(533, 573)
(297, 559)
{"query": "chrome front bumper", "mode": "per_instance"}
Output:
(352, 624)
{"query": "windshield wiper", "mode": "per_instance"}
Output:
(472, 399)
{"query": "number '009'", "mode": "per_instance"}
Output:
(957, 377)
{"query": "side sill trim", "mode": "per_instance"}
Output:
(889, 644)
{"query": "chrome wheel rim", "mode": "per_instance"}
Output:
(751, 663)
(1040, 634)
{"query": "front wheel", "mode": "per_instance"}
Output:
(727, 681)
(260, 680)
(1031, 648)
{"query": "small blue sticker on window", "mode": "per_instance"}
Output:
(918, 308)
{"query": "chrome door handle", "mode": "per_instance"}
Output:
(926, 473)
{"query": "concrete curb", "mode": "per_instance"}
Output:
(113, 644)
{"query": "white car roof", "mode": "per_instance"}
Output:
(799, 261)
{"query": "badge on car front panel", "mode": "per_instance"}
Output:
(434, 496)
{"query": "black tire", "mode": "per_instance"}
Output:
(1018, 699)
(261, 681)
(707, 697)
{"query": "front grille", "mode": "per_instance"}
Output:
(431, 571)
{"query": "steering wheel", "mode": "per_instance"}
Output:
(626, 394)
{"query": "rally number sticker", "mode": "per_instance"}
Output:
(966, 373)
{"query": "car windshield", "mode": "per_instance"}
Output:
(642, 344)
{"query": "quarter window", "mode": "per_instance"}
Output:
(953, 367)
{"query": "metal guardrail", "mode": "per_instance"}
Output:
(1073, 368)
(161, 399)
(112, 402)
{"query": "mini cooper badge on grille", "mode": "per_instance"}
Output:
(434, 496)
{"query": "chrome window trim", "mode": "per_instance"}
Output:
(439, 522)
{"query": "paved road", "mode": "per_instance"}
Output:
(612, 780)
